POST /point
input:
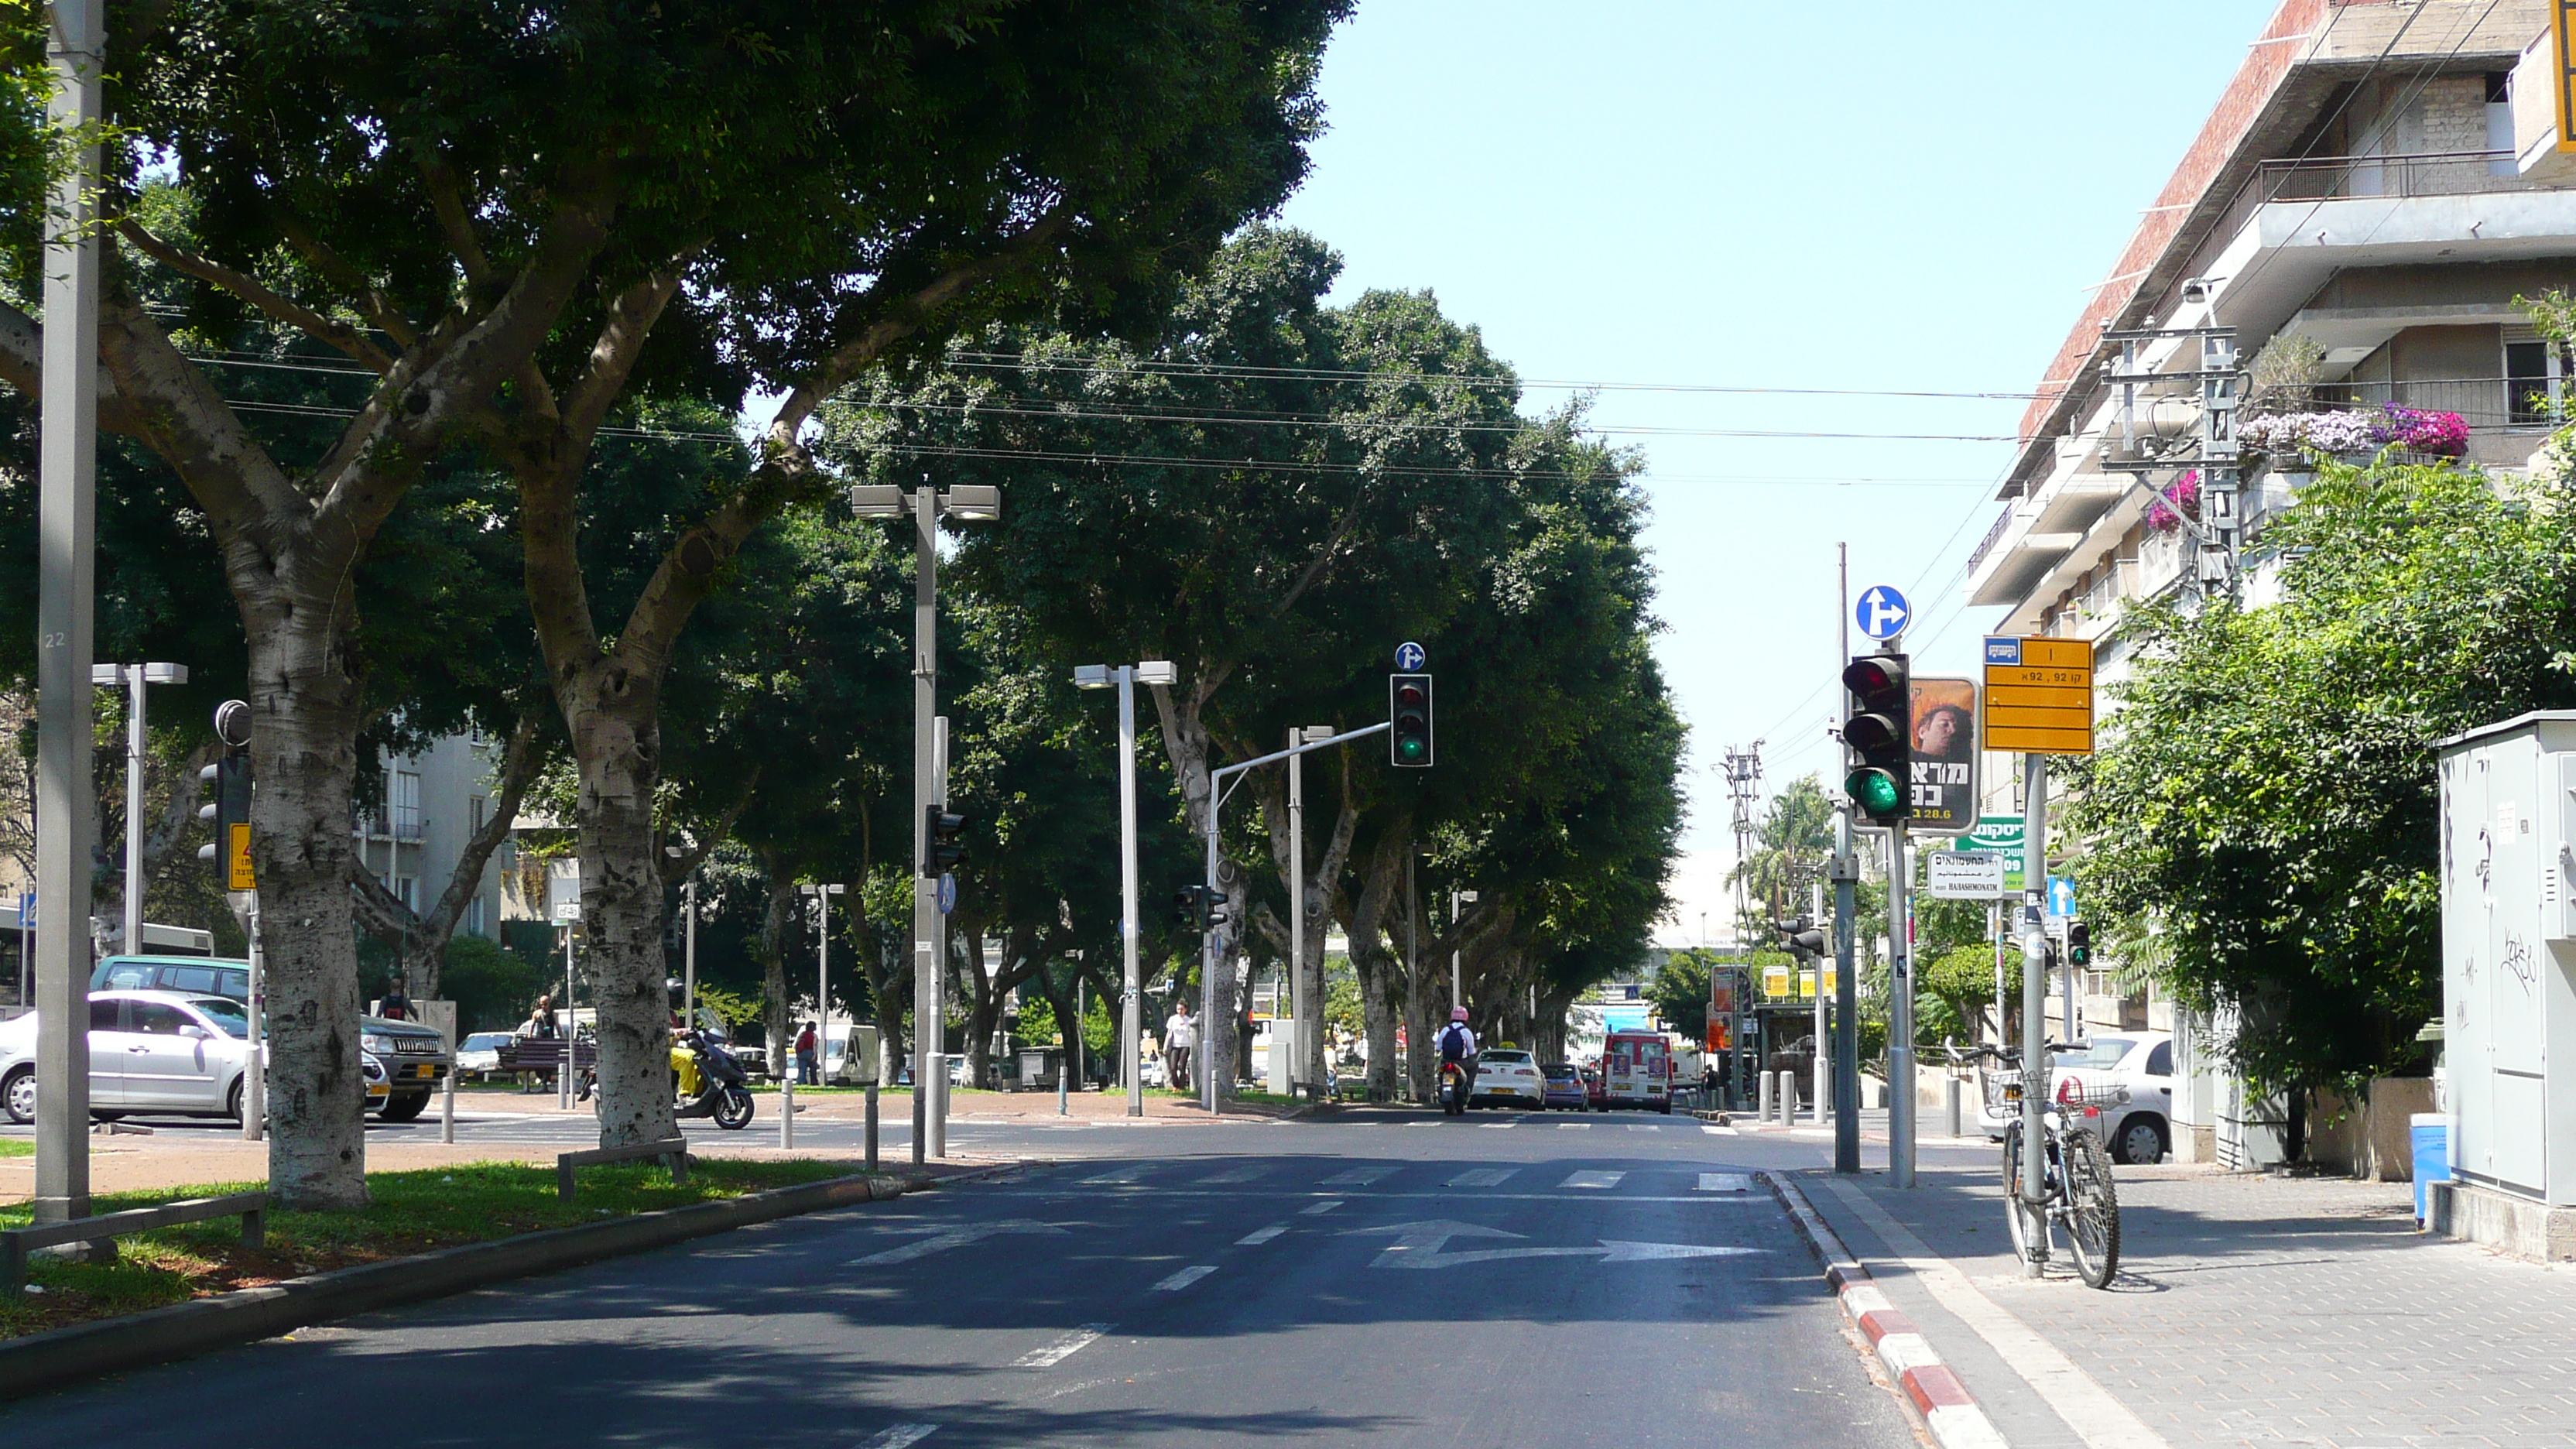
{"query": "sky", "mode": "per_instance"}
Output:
(1687, 195)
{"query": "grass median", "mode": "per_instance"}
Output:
(412, 1212)
(16, 1147)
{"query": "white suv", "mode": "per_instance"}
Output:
(2125, 1080)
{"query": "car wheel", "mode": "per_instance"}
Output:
(18, 1096)
(2141, 1141)
(403, 1107)
(233, 1101)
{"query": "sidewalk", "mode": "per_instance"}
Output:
(2250, 1310)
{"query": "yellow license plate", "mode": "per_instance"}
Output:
(2012, 1091)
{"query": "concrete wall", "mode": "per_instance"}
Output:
(2370, 1141)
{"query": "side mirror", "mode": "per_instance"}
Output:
(194, 1032)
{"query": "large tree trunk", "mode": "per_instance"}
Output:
(1323, 875)
(1380, 982)
(615, 726)
(1187, 743)
(771, 950)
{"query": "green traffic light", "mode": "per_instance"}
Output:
(1874, 791)
(1410, 747)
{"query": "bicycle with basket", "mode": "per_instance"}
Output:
(2076, 1192)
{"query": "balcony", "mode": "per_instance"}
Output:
(2342, 178)
(408, 827)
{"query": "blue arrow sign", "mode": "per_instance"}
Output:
(1881, 612)
(947, 893)
(2061, 896)
(1409, 656)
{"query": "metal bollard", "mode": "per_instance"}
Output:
(787, 1110)
(872, 1126)
(1954, 1107)
(1763, 1113)
(1788, 1099)
(447, 1106)
(1061, 1077)
(939, 1106)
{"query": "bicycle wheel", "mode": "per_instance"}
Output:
(2092, 1209)
(2018, 1217)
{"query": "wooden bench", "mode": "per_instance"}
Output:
(250, 1207)
(673, 1149)
(542, 1056)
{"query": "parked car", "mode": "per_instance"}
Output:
(414, 1056)
(2124, 1081)
(1565, 1087)
(1595, 1095)
(1637, 1070)
(1507, 1077)
(479, 1055)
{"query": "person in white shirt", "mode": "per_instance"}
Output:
(1180, 1037)
(1458, 1044)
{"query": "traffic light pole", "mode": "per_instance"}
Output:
(1846, 872)
(1900, 1027)
(2034, 992)
(1219, 781)
(1131, 1018)
(927, 931)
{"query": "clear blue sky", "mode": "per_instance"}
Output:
(1875, 196)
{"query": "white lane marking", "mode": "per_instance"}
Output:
(1238, 1174)
(1725, 1182)
(1321, 1208)
(1062, 1349)
(1573, 1126)
(1129, 1173)
(1359, 1176)
(942, 1239)
(1498, 1126)
(1184, 1278)
(1483, 1177)
(1645, 1126)
(1593, 1179)
(901, 1436)
(1256, 1239)
(1713, 1130)
(2100, 1420)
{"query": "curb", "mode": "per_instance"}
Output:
(182, 1330)
(1932, 1393)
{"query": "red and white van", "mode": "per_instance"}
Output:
(1637, 1071)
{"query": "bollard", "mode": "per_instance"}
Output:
(1061, 1076)
(872, 1126)
(1763, 1113)
(1954, 1106)
(939, 1107)
(1788, 1095)
(447, 1106)
(787, 1110)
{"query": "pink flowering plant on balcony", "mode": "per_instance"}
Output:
(2335, 432)
(2444, 434)
(2183, 495)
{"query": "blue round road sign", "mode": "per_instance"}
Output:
(1881, 612)
(1409, 656)
(947, 892)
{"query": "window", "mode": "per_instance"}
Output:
(474, 916)
(103, 1015)
(2500, 123)
(189, 978)
(407, 890)
(2160, 1061)
(474, 813)
(235, 984)
(406, 804)
(157, 1018)
(2526, 383)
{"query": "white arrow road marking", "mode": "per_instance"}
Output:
(1713, 1130)
(1359, 1176)
(1652, 1252)
(1428, 1235)
(1483, 1177)
(1062, 1349)
(1725, 1182)
(1418, 1245)
(943, 1239)
(1129, 1173)
(1184, 1278)
(901, 1436)
(1593, 1179)
(1239, 1174)
(1260, 1236)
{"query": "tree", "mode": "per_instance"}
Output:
(1791, 843)
(2266, 800)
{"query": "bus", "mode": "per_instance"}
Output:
(1637, 1070)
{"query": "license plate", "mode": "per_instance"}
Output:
(424, 1070)
(2012, 1091)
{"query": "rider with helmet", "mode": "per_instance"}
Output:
(1458, 1045)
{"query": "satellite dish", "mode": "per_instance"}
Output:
(232, 724)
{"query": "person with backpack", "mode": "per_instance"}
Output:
(1458, 1048)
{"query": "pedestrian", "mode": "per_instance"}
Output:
(395, 1006)
(806, 1075)
(1180, 1035)
(541, 1020)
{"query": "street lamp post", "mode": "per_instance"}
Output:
(134, 677)
(1457, 898)
(1131, 1025)
(929, 777)
(822, 895)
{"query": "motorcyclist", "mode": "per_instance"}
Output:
(1458, 1045)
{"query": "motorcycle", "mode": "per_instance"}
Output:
(1453, 1089)
(707, 1081)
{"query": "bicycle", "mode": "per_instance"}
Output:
(2076, 1190)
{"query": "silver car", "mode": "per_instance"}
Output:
(156, 1052)
(2122, 1086)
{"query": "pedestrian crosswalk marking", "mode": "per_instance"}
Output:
(1256, 1239)
(1184, 1278)
(1725, 1182)
(1593, 1179)
(1483, 1177)
(1359, 1176)
(1129, 1173)
(1321, 1208)
(901, 1436)
(1062, 1349)
(1238, 1174)
(1573, 1126)
(1713, 1130)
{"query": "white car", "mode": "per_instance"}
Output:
(479, 1055)
(165, 1053)
(1508, 1077)
(2125, 1084)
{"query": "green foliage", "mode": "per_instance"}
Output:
(731, 1007)
(1790, 846)
(1951, 989)
(491, 985)
(2268, 798)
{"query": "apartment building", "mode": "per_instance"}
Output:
(2379, 181)
(413, 834)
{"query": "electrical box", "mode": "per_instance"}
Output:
(2508, 877)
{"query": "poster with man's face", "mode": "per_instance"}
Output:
(1945, 756)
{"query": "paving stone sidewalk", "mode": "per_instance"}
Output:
(2249, 1311)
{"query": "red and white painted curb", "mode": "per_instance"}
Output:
(1948, 1412)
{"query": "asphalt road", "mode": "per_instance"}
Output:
(1494, 1281)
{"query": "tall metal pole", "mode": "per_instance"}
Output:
(689, 953)
(939, 978)
(1846, 998)
(926, 928)
(823, 992)
(1412, 933)
(134, 748)
(2034, 989)
(1900, 1031)
(1823, 1061)
(572, 1028)
(1456, 999)
(1131, 1028)
(67, 471)
(1296, 909)
(254, 1123)
(1205, 1056)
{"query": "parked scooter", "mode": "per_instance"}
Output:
(708, 1081)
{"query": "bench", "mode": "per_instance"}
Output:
(250, 1207)
(528, 1056)
(674, 1149)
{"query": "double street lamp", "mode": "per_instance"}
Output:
(1131, 1022)
(134, 677)
(822, 895)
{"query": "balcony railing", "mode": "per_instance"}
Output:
(2337, 178)
(1993, 536)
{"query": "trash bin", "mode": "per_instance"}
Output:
(2430, 1134)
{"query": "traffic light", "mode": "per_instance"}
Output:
(1882, 784)
(228, 813)
(1408, 712)
(1198, 908)
(941, 850)
(1804, 941)
(2079, 944)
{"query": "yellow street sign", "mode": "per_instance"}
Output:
(237, 876)
(2038, 696)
